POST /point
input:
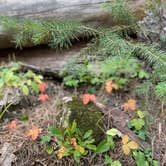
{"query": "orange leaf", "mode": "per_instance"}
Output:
(43, 97)
(42, 86)
(12, 124)
(132, 145)
(33, 133)
(125, 139)
(109, 85)
(92, 97)
(130, 105)
(126, 149)
(87, 98)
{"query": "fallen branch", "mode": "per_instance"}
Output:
(120, 121)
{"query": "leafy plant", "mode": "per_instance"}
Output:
(108, 143)
(13, 77)
(138, 125)
(70, 141)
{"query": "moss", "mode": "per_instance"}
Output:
(88, 117)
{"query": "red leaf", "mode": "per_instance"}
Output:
(42, 87)
(33, 133)
(43, 97)
(12, 124)
(87, 98)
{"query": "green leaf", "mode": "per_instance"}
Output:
(112, 132)
(140, 114)
(88, 134)
(137, 123)
(155, 163)
(143, 74)
(140, 159)
(25, 90)
(116, 163)
(77, 156)
(56, 132)
(142, 134)
(107, 160)
(73, 127)
(35, 87)
(103, 146)
(49, 150)
(24, 117)
(91, 147)
(45, 139)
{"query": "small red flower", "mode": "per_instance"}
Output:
(43, 97)
(42, 87)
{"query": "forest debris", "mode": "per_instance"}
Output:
(6, 155)
(120, 121)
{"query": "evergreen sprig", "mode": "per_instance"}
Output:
(58, 34)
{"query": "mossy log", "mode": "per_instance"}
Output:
(88, 11)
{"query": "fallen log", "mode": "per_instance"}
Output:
(120, 121)
(88, 11)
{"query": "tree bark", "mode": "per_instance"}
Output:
(89, 11)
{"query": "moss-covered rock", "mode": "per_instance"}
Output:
(87, 117)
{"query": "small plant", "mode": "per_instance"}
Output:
(138, 125)
(70, 141)
(144, 158)
(108, 143)
(109, 161)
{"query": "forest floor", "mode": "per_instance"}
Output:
(32, 153)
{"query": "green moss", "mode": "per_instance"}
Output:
(88, 117)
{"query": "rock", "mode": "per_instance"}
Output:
(7, 156)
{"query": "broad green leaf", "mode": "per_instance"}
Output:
(77, 156)
(112, 132)
(35, 87)
(103, 146)
(88, 134)
(140, 159)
